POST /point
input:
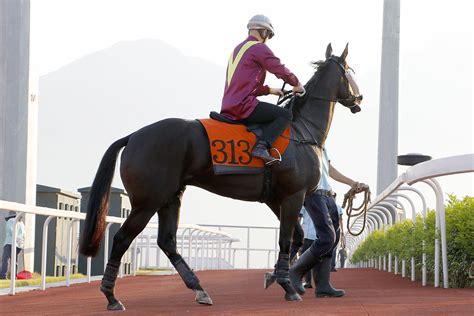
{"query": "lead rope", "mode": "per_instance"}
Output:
(352, 211)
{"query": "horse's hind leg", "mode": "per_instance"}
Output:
(168, 226)
(135, 223)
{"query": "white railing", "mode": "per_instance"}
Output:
(203, 248)
(188, 235)
(269, 247)
(382, 212)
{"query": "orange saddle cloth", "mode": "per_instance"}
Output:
(231, 146)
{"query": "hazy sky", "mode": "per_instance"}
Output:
(436, 62)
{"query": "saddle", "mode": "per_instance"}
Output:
(254, 128)
(231, 144)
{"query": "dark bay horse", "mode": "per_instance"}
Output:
(161, 159)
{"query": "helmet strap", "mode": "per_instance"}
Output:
(263, 34)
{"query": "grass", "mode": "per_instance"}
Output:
(148, 271)
(36, 280)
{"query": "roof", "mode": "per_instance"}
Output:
(46, 189)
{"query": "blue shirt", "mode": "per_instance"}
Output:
(308, 227)
(324, 181)
(20, 233)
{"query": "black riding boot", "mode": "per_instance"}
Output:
(304, 264)
(321, 274)
(260, 150)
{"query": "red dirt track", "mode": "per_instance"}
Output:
(368, 292)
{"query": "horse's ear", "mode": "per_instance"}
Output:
(344, 53)
(328, 51)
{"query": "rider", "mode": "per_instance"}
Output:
(246, 72)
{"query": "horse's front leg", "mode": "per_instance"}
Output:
(289, 211)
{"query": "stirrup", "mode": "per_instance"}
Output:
(275, 160)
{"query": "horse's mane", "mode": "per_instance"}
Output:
(319, 66)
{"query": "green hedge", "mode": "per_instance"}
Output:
(404, 240)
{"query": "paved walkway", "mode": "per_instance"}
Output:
(369, 292)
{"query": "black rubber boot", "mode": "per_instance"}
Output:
(305, 263)
(321, 274)
(308, 278)
(260, 150)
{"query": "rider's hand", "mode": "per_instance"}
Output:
(276, 91)
(299, 90)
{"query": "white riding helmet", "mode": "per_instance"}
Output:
(261, 22)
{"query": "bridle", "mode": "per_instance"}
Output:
(354, 96)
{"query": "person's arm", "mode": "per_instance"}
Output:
(336, 175)
(271, 63)
(339, 177)
(262, 90)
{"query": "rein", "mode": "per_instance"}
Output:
(289, 95)
(352, 211)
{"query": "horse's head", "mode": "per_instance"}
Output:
(339, 81)
(332, 82)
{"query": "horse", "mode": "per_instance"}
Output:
(161, 159)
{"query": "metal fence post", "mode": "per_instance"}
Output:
(389, 262)
(13, 255)
(147, 253)
(106, 245)
(219, 253)
(89, 259)
(69, 251)
(44, 253)
(135, 257)
(248, 248)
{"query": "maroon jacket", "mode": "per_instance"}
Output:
(246, 82)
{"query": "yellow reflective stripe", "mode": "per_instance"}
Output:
(234, 62)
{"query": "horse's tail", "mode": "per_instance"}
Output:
(98, 205)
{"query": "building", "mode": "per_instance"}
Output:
(57, 230)
(119, 206)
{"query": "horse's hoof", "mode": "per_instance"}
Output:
(293, 297)
(117, 306)
(268, 280)
(203, 298)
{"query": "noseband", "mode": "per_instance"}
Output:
(352, 86)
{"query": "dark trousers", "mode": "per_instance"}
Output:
(275, 119)
(323, 212)
(7, 252)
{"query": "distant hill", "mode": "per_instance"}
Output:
(87, 104)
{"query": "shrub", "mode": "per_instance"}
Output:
(405, 239)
